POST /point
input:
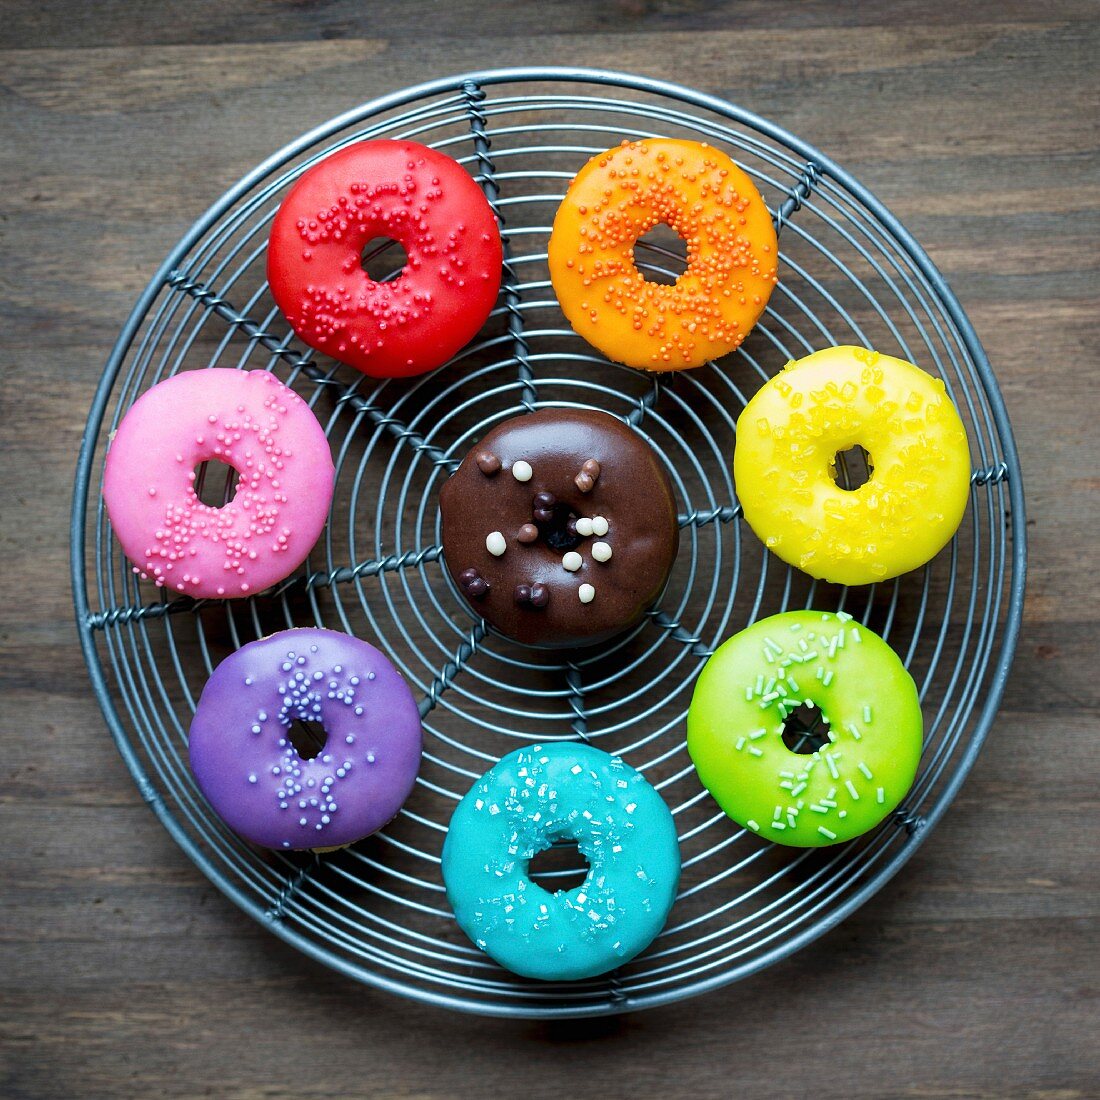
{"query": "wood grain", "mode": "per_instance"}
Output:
(973, 974)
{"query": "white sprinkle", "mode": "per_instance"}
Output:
(753, 825)
(867, 715)
(881, 795)
(826, 832)
(832, 765)
(584, 526)
(827, 679)
(755, 751)
(856, 636)
(252, 779)
(740, 744)
(599, 526)
(851, 789)
(866, 770)
(586, 593)
(576, 769)
(495, 543)
(601, 551)
(522, 471)
(572, 561)
(757, 734)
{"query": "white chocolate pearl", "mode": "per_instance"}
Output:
(584, 526)
(495, 543)
(599, 525)
(522, 471)
(586, 593)
(601, 551)
(572, 561)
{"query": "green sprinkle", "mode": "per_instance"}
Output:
(866, 770)
(799, 789)
(791, 820)
(778, 825)
(787, 785)
(748, 695)
(757, 734)
(778, 813)
(811, 656)
(795, 627)
(803, 645)
(853, 729)
(819, 809)
(820, 671)
(832, 765)
(867, 715)
(826, 832)
(840, 639)
(770, 697)
(881, 795)
(844, 617)
(755, 751)
(851, 789)
(753, 825)
(793, 683)
(765, 688)
(827, 679)
(828, 802)
(759, 689)
(856, 636)
(740, 744)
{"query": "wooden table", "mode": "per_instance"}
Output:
(974, 973)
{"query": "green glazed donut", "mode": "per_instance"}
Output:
(754, 681)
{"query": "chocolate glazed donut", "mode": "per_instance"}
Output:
(560, 527)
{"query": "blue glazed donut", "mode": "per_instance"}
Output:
(530, 799)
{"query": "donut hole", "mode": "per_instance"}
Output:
(661, 255)
(308, 738)
(806, 730)
(383, 259)
(215, 483)
(851, 468)
(560, 868)
(555, 531)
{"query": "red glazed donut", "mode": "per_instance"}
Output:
(411, 194)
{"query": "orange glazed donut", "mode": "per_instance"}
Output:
(732, 253)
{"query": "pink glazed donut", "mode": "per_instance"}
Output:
(247, 420)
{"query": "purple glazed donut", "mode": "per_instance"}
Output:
(246, 765)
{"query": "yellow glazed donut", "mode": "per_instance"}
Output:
(789, 435)
(712, 204)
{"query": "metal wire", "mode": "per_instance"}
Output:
(377, 911)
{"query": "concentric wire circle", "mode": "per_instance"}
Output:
(849, 273)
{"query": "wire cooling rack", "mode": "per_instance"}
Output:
(849, 273)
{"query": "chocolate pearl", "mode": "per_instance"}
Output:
(522, 593)
(488, 463)
(543, 515)
(586, 479)
(540, 595)
(528, 533)
(468, 575)
(545, 500)
(477, 588)
(571, 527)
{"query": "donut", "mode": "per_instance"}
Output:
(738, 714)
(732, 254)
(789, 437)
(401, 191)
(246, 765)
(247, 420)
(531, 799)
(560, 527)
